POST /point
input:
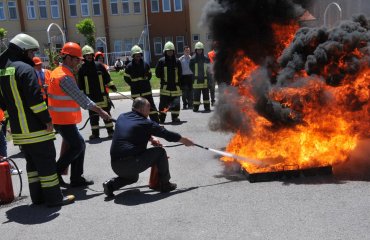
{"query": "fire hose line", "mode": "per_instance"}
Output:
(6, 159)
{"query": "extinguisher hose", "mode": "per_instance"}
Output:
(19, 174)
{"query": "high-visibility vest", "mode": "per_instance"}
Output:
(2, 115)
(46, 82)
(63, 109)
(212, 56)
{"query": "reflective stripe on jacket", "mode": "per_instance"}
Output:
(21, 98)
(63, 109)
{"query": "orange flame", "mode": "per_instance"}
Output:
(332, 119)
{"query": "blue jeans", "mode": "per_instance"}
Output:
(75, 153)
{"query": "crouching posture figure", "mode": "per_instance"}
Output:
(129, 153)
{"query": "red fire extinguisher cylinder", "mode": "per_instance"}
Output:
(6, 186)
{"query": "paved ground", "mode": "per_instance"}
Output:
(209, 204)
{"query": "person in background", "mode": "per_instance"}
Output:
(198, 65)
(65, 99)
(43, 76)
(93, 78)
(169, 70)
(118, 65)
(186, 80)
(137, 75)
(129, 153)
(21, 99)
(127, 61)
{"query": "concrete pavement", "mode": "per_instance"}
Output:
(209, 203)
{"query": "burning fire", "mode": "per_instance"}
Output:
(327, 120)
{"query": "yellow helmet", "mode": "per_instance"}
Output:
(168, 47)
(87, 50)
(199, 45)
(136, 50)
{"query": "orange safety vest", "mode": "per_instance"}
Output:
(47, 74)
(212, 55)
(62, 108)
(2, 115)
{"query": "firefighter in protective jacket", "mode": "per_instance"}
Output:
(137, 75)
(169, 70)
(22, 100)
(199, 66)
(93, 78)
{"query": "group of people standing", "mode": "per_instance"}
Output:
(37, 101)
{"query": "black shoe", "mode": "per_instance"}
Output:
(92, 137)
(65, 201)
(176, 120)
(207, 110)
(110, 134)
(82, 182)
(168, 187)
(62, 183)
(195, 109)
(184, 107)
(213, 103)
(108, 188)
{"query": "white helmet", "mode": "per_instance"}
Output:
(25, 42)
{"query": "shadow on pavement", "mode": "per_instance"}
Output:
(135, 197)
(31, 214)
(173, 123)
(98, 140)
(81, 193)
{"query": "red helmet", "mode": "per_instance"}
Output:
(97, 54)
(37, 60)
(73, 49)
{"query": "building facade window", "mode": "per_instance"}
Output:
(177, 5)
(118, 45)
(2, 12)
(96, 7)
(12, 9)
(166, 5)
(72, 8)
(125, 7)
(157, 41)
(114, 7)
(54, 8)
(196, 37)
(154, 6)
(42, 9)
(209, 37)
(31, 11)
(85, 8)
(128, 44)
(180, 43)
(137, 6)
(168, 39)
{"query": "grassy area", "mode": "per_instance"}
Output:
(122, 85)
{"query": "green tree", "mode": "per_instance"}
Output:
(86, 27)
(3, 33)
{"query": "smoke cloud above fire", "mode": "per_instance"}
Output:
(282, 82)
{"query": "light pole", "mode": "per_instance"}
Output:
(51, 60)
(327, 10)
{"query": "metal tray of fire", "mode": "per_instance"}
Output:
(287, 174)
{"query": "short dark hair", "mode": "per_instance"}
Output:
(186, 46)
(139, 103)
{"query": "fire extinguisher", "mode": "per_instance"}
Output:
(6, 186)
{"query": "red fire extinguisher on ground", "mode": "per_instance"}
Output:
(6, 186)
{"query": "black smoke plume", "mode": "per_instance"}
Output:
(326, 56)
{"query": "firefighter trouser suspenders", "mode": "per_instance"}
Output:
(41, 172)
(196, 100)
